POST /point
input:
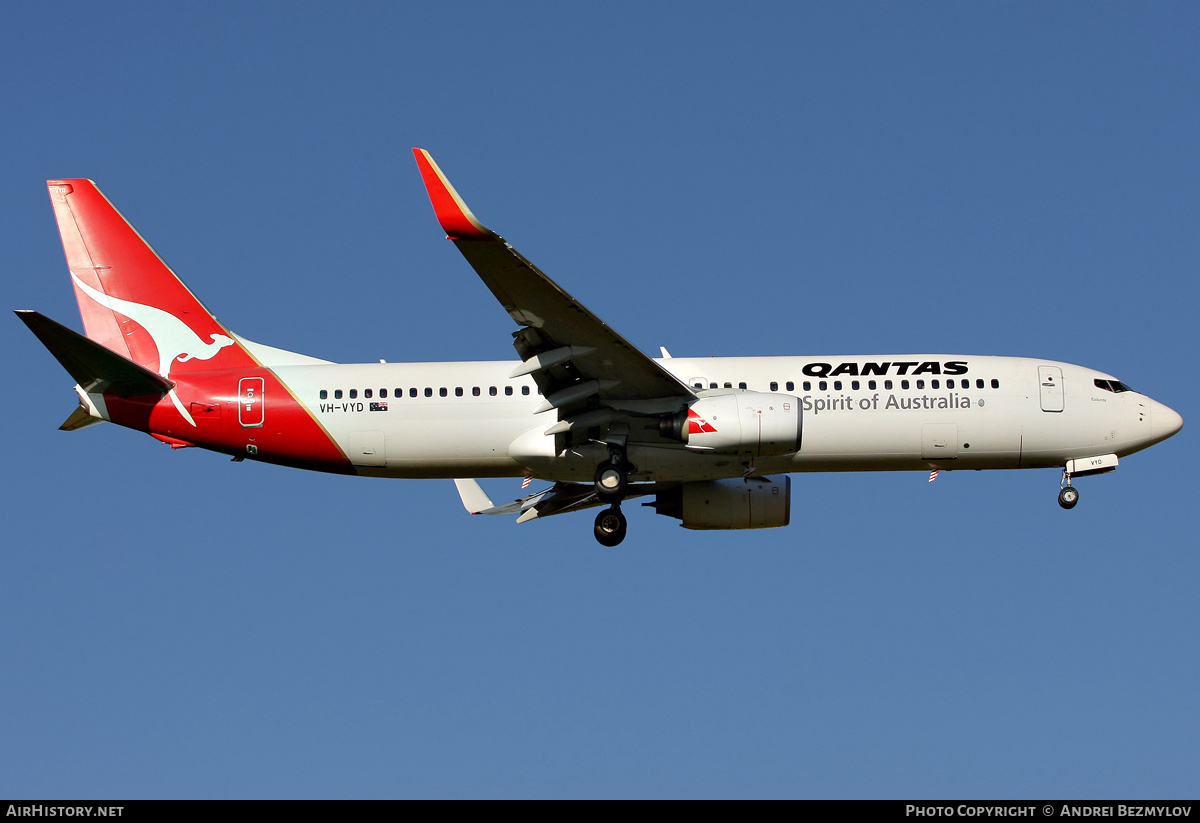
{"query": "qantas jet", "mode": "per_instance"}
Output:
(710, 440)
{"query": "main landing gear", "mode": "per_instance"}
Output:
(612, 482)
(1068, 496)
(610, 526)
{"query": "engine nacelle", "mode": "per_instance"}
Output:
(748, 424)
(729, 504)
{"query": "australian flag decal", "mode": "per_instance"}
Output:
(379, 407)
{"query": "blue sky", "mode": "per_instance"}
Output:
(1008, 178)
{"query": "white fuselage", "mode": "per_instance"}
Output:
(868, 413)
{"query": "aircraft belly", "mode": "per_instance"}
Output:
(432, 440)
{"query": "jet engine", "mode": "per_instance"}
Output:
(754, 503)
(748, 424)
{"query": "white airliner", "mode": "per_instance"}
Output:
(711, 439)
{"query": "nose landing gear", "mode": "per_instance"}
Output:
(1083, 467)
(1068, 495)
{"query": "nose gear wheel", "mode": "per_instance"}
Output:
(1068, 495)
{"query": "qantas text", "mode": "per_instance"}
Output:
(900, 367)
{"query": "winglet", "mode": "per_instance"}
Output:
(474, 499)
(456, 219)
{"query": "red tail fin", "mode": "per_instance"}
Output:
(131, 302)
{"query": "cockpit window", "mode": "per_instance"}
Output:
(1111, 385)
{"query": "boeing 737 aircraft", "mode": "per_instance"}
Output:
(712, 440)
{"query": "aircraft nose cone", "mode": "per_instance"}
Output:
(1164, 421)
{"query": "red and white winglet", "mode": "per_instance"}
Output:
(456, 219)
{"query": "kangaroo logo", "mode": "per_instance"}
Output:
(173, 339)
(697, 424)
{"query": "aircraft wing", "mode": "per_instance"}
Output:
(558, 499)
(571, 353)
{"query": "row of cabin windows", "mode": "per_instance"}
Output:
(855, 385)
(822, 385)
(476, 391)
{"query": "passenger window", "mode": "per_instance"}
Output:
(807, 385)
(475, 391)
(697, 385)
(353, 393)
(383, 392)
(871, 384)
(904, 384)
(508, 391)
(712, 385)
(729, 385)
(337, 394)
(741, 385)
(442, 392)
(412, 392)
(428, 391)
(823, 386)
(979, 383)
(995, 383)
(935, 384)
(524, 390)
(458, 391)
(837, 385)
(854, 385)
(950, 383)
(790, 386)
(775, 386)
(325, 394)
(920, 384)
(492, 391)
(887, 384)
(367, 393)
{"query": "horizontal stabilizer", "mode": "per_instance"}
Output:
(94, 367)
(81, 418)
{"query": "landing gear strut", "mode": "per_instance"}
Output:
(612, 476)
(611, 526)
(612, 481)
(1068, 496)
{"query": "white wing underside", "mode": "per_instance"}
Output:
(558, 499)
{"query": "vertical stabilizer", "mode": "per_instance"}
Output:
(130, 300)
